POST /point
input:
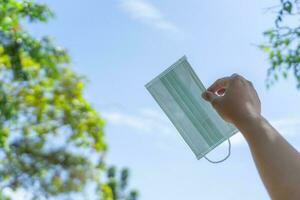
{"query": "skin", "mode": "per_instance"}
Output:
(278, 163)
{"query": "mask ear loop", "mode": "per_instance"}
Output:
(219, 161)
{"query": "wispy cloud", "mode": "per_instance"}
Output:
(145, 121)
(153, 121)
(145, 12)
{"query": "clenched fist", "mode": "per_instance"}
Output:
(234, 98)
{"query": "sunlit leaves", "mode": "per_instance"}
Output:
(46, 125)
(11, 11)
(41, 96)
(283, 44)
(34, 11)
(43, 86)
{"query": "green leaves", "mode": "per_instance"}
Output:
(35, 11)
(116, 185)
(48, 131)
(54, 171)
(264, 48)
(288, 6)
(38, 84)
(283, 44)
(11, 11)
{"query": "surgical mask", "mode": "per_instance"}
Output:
(178, 91)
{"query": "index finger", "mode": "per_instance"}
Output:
(219, 84)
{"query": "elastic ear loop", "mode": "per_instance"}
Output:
(219, 161)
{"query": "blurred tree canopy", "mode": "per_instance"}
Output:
(51, 139)
(283, 42)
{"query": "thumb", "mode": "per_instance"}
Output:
(209, 96)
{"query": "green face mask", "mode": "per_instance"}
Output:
(178, 92)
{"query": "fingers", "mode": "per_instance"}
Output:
(210, 97)
(235, 75)
(219, 84)
(236, 78)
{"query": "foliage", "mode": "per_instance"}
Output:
(47, 128)
(116, 185)
(283, 42)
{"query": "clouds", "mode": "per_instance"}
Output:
(150, 121)
(145, 12)
(145, 121)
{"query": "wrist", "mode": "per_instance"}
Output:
(246, 124)
(256, 130)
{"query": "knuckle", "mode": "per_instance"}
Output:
(238, 78)
(234, 75)
(218, 80)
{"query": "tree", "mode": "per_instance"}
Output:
(283, 42)
(116, 185)
(47, 128)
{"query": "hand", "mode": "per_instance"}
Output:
(234, 98)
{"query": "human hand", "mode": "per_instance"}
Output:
(234, 98)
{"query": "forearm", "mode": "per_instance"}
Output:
(277, 161)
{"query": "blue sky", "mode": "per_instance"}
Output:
(119, 45)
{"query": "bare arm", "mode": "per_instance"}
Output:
(277, 161)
